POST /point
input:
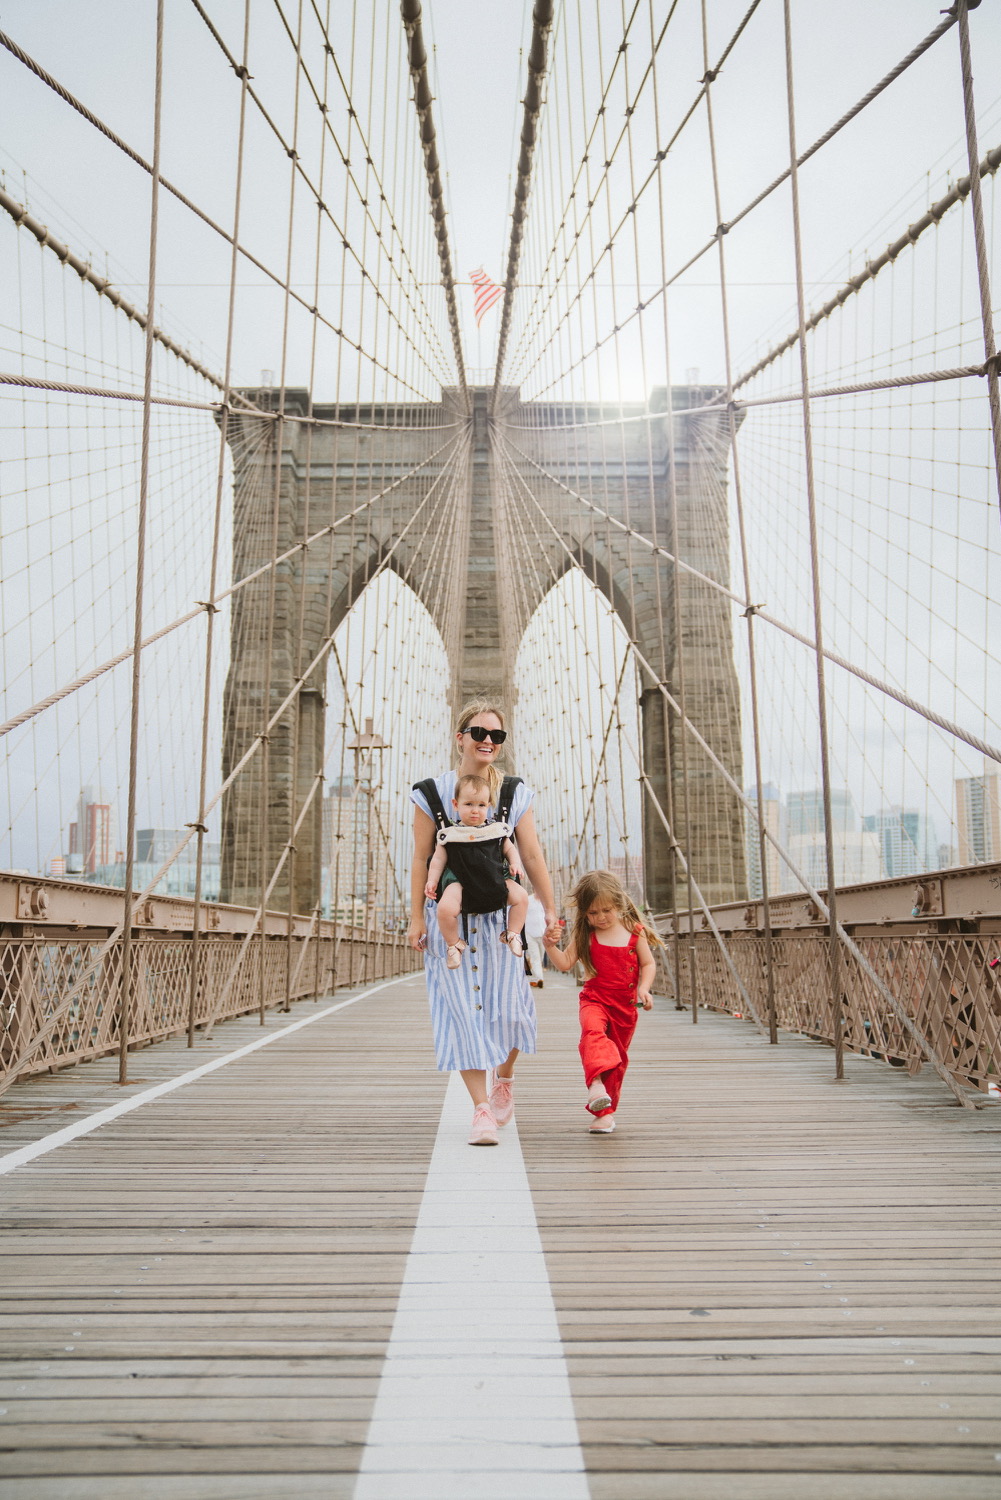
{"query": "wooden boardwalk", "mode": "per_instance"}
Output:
(767, 1285)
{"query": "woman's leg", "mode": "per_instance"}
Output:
(475, 1080)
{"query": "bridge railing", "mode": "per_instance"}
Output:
(933, 941)
(60, 969)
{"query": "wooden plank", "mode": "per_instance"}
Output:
(195, 1300)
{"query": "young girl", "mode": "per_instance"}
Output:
(612, 942)
(471, 865)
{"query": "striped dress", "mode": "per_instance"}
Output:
(483, 1009)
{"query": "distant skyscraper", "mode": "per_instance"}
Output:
(805, 812)
(773, 814)
(978, 818)
(92, 836)
(906, 841)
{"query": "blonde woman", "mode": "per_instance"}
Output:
(483, 1011)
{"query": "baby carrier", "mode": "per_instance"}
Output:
(475, 859)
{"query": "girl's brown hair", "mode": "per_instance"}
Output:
(599, 885)
(472, 711)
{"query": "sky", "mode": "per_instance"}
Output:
(879, 175)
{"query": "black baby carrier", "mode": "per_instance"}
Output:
(480, 867)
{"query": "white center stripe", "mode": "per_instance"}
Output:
(474, 1397)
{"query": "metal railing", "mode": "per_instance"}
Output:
(60, 990)
(927, 951)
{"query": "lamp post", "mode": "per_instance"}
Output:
(367, 750)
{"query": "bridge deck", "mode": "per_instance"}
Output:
(765, 1284)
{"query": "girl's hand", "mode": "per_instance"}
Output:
(554, 928)
(417, 935)
(644, 999)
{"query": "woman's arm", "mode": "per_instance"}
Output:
(534, 861)
(424, 840)
(648, 972)
(561, 958)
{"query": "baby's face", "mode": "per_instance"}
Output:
(472, 807)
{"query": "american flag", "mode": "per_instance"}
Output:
(485, 293)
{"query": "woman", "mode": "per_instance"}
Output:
(482, 1012)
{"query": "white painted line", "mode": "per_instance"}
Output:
(94, 1122)
(474, 1396)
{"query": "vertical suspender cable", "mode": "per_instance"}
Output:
(125, 1002)
(542, 20)
(708, 81)
(210, 605)
(411, 12)
(837, 1015)
(962, 8)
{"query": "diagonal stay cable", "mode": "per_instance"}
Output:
(93, 964)
(116, 140)
(235, 588)
(899, 1011)
(916, 52)
(291, 152)
(969, 738)
(647, 787)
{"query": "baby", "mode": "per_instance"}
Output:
(469, 862)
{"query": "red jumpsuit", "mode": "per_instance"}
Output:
(608, 1015)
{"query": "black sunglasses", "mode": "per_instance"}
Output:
(496, 736)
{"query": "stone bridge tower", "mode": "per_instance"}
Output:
(623, 469)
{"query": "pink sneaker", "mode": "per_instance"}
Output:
(484, 1127)
(604, 1126)
(501, 1099)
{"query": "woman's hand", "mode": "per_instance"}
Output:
(554, 928)
(417, 934)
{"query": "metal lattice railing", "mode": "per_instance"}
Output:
(944, 983)
(39, 1030)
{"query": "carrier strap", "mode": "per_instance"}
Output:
(508, 788)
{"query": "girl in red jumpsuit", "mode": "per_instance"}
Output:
(612, 943)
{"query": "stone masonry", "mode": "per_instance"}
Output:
(327, 472)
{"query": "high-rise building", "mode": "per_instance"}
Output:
(978, 818)
(805, 812)
(856, 857)
(906, 840)
(773, 814)
(92, 837)
(856, 851)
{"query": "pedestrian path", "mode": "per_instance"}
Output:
(287, 1276)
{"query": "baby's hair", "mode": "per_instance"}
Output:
(599, 885)
(479, 784)
(473, 710)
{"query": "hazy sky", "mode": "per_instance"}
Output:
(858, 194)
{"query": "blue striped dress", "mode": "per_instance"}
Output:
(483, 1009)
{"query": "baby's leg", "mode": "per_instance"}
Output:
(517, 901)
(449, 908)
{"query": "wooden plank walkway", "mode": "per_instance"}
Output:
(766, 1284)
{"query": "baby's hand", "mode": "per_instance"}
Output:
(644, 999)
(430, 891)
(517, 873)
